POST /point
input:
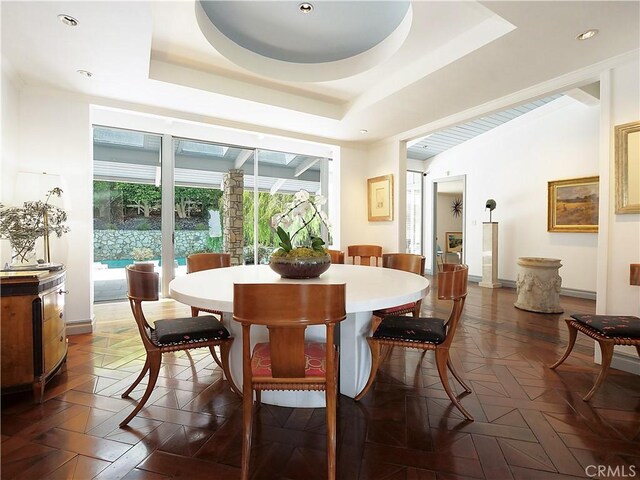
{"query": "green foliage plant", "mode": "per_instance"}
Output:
(301, 214)
(268, 206)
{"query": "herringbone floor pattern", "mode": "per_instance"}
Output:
(530, 421)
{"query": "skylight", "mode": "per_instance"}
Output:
(118, 137)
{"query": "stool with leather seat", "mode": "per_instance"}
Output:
(608, 331)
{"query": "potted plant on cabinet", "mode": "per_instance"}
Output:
(22, 226)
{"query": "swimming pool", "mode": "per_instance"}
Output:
(128, 261)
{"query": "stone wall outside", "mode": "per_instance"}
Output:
(118, 244)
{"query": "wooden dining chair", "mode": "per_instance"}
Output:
(288, 361)
(337, 256)
(365, 253)
(407, 262)
(168, 335)
(425, 333)
(197, 262)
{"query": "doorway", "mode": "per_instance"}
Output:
(448, 232)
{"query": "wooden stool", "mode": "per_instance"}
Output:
(608, 331)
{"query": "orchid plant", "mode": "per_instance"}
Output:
(300, 215)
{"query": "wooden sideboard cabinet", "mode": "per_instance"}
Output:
(34, 340)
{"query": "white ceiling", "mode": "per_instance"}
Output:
(456, 55)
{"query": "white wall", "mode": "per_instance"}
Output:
(512, 164)
(624, 230)
(358, 163)
(353, 188)
(621, 233)
(9, 142)
(55, 137)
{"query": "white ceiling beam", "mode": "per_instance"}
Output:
(242, 158)
(304, 166)
(588, 95)
(277, 186)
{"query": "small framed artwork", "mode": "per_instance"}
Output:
(573, 205)
(454, 242)
(380, 198)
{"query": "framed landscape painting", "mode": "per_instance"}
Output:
(573, 205)
(380, 198)
(454, 242)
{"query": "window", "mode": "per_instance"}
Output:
(414, 212)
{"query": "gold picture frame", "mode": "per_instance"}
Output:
(573, 205)
(627, 158)
(380, 198)
(453, 242)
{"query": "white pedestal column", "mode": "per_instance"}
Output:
(539, 285)
(490, 255)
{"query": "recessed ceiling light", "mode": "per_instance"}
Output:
(68, 20)
(364, 130)
(85, 73)
(587, 35)
(305, 7)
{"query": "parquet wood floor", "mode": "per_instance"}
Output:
(530, 421)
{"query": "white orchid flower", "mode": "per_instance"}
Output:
(286, 221)
(301, 196)
(301, 210)
(319, 200)
(323, 216)
(275, 220)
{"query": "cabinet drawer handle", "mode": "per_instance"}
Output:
(61, 338)
(63, 292)
(61, 315)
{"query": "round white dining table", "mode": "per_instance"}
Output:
(367, 289)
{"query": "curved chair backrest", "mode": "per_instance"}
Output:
(408, 262)
(452, 285)
(452, 281)
(337, 256)
(287, 309)
(142, 282)
(365, 252)
(142, 286)
(206, 261)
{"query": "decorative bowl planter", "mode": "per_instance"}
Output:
(300, 267)
(538, 285)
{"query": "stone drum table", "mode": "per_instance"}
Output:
(538, 285)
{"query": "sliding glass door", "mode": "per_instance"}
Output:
(127, 206)
(159, 198)
(200, 170)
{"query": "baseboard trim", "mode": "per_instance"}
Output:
(626, 363)
(81, 326)
(568, 292)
